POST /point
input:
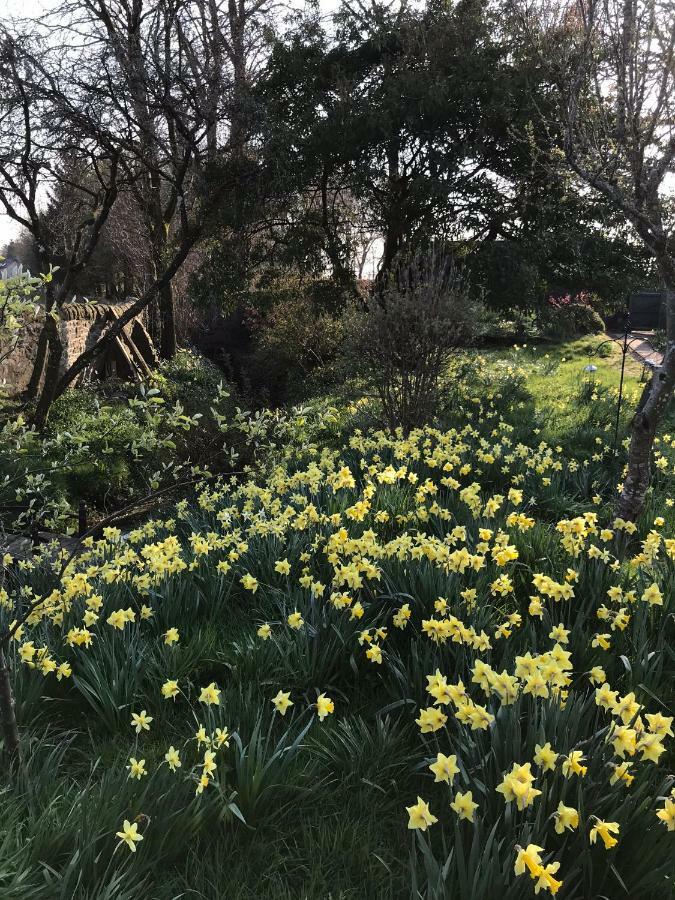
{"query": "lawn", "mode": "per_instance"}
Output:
(383, 666)
(557, 379)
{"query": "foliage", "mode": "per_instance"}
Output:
(562, 243)
(98, 450)
(117, 444)
(658, 340)
(372, 129)
(18, 304)
(297, 328)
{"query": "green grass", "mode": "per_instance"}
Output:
(557, 378)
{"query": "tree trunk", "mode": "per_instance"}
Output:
(341, 273)
(55, 353)
(10, 730)
(650, 412)
(393, 232)
(165, 304)
(38, 365)
(167, 345)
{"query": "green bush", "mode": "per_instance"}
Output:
(566, 318)
(297, 335)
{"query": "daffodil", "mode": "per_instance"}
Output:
(210, 695)
(172, 758)
(220, 738)
(572, 764)
(420, 817)
(445, 768)
(566, 817)
(137, 768)
(667, 814)
(129, 835)
(282, 701)
(528, 859)
(141, 721)
(324, 706)
(517, 786)
(249, 583)
(431, 719)
(605, 830)
(170, 690)
(295, 620)
(545, 757)
(464, 805)
(209, 765)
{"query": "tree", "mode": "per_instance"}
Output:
(118, 266)
(183, 69)
(148, 97)
(611, 66)
(39, 122)
(149, 92)
(560, 242)
(401, 114)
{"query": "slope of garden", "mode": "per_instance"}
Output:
(431, 664)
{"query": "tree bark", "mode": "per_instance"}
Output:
(165, 303)
(650, 412)
(393, 232)
(38, 365)
(55, 353)
(10, 729)
(168, 343)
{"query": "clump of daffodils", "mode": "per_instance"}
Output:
(420, 550)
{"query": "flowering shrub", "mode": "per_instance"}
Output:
(569, 316)
(401, 612)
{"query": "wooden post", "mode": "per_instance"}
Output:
(81, 518)
(10, 729)
(34, 532)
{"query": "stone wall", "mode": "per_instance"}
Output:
(80, 326)
(15, 369)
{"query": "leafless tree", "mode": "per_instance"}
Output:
(163, 88)
(152, 95)
(38, 126)
(612, 68)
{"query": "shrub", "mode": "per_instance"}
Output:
(567, 317)
(294, 338)
(405, 338)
